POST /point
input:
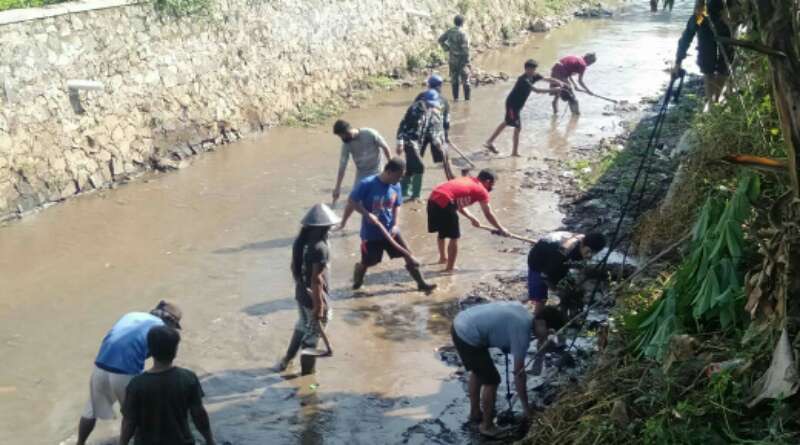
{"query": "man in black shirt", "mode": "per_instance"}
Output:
(711, 19)
(159, 401)
(516, 100)
(550, 258)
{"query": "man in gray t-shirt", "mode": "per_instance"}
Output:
(507, 326)
(369, 152)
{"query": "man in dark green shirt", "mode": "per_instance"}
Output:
(159, 401)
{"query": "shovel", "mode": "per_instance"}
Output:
(510, 235)
(315, 352)
(463, 156)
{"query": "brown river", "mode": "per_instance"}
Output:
(216, 237)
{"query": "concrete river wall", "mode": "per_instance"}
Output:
(149, 89)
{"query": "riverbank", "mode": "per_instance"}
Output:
(591, 184)
(107, 91)
(695, 355)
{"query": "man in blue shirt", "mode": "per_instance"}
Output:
(507, 326)
(378, 199)
(121, 357)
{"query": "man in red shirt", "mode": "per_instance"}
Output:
(563, 70)
(452, 197)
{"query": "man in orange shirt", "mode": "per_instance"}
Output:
(453, 197)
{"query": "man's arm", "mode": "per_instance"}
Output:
(443, 41)
(685, 41)
(201, 422)
(521, 385)
(548, 90)
(470, 217)
(396, 219)
(583, 85)
(489, 214)
(345, 156)
(384, 148)
(127, 430)
(318, 290)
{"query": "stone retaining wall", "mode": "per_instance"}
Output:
(174, 87)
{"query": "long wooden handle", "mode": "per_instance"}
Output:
(510, 235)
(391, 240)
(463, 156)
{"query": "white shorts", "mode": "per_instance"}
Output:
(105, 388)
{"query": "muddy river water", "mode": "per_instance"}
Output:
(216, 238)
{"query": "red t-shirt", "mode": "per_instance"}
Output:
(462, 191)
(572, 65)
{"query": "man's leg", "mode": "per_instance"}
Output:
(442, 255)
(490, 142)
(85, 428)
(412, 268)
(474, 398)
(465, 79)
(416, 186)
(515, 151)
(452, 253)
(455, 74)
(555, 104)
(488, 396)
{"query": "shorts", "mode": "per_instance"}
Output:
(567, 94)
(308, 326)
(537, 287)
(372, 250)
(105, 388)
(443, 220)
(477, 360)
(512, 118)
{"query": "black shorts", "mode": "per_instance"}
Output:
(372, 250)
(512, 117)
(443, 220)
(476, 360)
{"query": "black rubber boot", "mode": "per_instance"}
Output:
(308, 364)
(455, 91)
(467, 91)
(358, 275)
(417, 276)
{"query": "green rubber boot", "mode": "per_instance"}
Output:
(405, 184)
(416, 186)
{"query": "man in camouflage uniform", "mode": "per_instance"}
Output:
(410, 135)
(437, 132)
(456, 43)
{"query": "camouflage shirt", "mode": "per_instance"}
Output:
(415, 122)
(456, 42)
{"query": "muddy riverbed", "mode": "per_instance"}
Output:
(215, 238)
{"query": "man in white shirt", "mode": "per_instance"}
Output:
(369, 152)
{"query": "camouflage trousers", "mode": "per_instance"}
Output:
(459, 71)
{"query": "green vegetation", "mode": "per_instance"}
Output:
(183, 8)
(172, 8)
(310, 114)
(429, 58)
(19, 4)
(695, 339)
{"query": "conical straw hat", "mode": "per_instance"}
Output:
(320, 215)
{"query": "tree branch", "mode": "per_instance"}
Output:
(751, 45)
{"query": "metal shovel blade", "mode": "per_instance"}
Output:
(314, 352)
